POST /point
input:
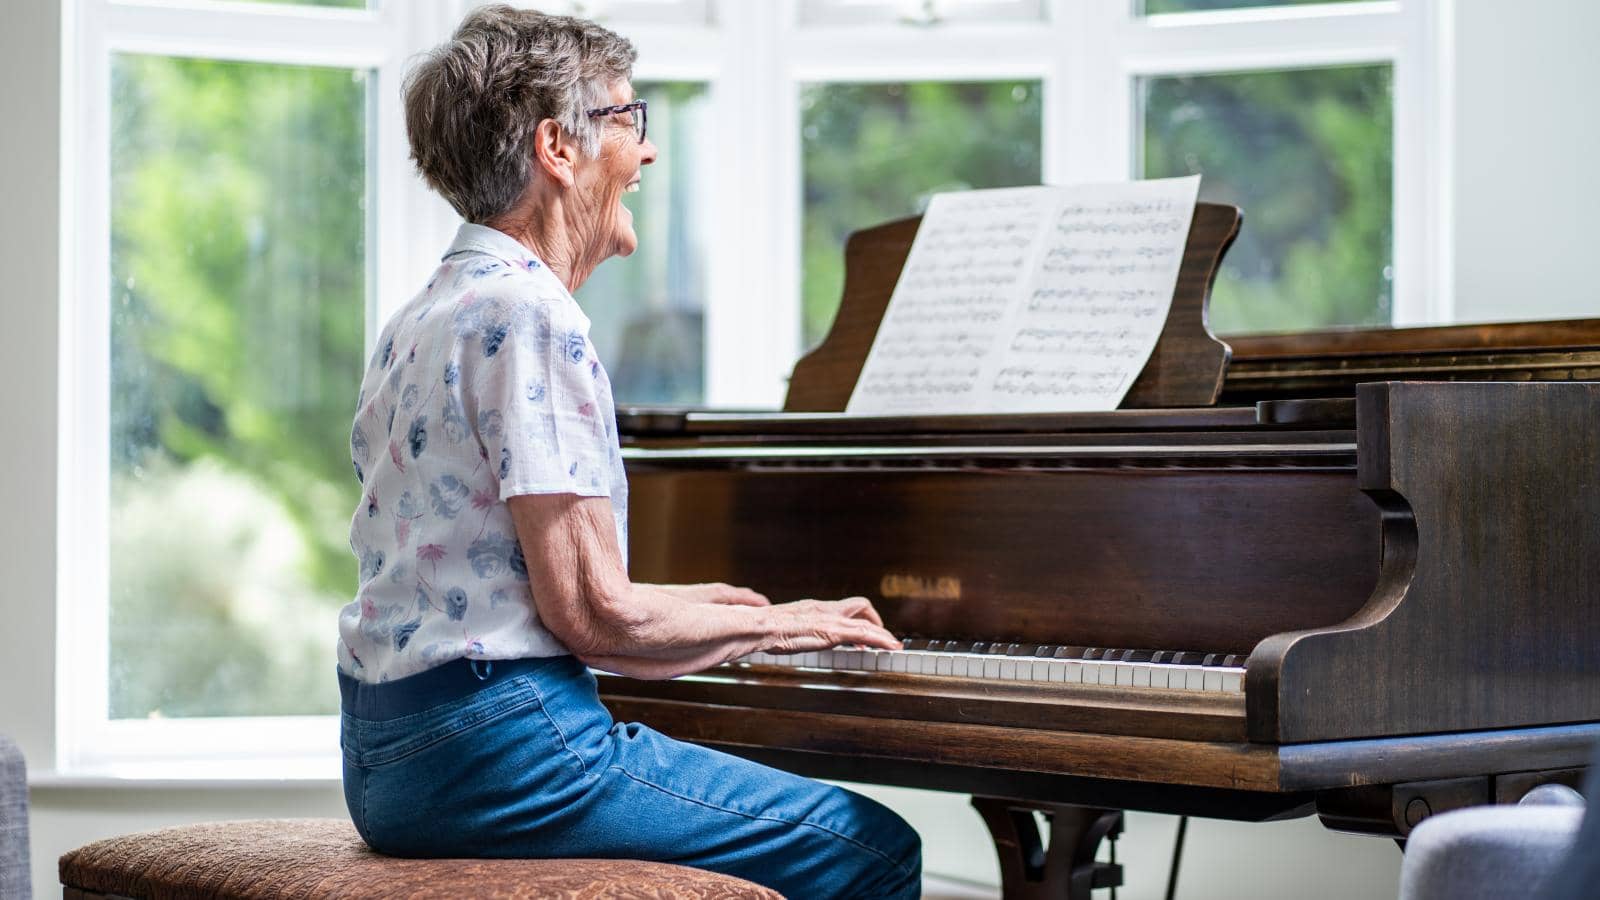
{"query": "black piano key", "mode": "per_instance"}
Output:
(1069, 652)
(1188, 658)
(999, 648)
(1136, 656)
(934, 646)
(1234, 660)
(1020, 650)
(979, 647)
(914, 643)
(958, 646)
(1045, 650)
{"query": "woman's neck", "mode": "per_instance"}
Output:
(545, 230)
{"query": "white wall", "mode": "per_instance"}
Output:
(1524, 198)
(1527, 182)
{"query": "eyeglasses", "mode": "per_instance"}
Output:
(637, 107)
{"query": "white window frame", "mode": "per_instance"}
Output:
(378, 41)
(755, 56)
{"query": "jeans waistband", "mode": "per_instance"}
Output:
(441, 684)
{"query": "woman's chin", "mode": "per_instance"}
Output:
(626, 242)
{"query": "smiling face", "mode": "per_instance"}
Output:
(615, 170)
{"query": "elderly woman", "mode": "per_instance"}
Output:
(493, 529)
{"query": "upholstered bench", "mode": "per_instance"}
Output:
(312, 859)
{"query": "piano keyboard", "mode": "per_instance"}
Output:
(1216, 673)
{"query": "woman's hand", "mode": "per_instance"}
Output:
(725, 594)
(806, 625)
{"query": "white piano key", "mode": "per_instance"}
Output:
(1194, 678)
(897, 662)
(1233, 681)
(1141, 675)
(1108, 673)
(958, 665)
(1041, 670)
(825, 659)
(1091, 672)
(1008, 669)
(1125, 674)
(944, 665)
(1072, 671)
(1057, 669)
(1159, 675)
(991, 667)
(1213, 680)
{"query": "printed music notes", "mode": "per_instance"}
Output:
(1038, 299)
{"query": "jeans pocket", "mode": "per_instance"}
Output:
(367, 743)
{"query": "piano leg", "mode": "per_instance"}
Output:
(1067, 870)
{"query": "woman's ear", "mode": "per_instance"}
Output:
(555, 152)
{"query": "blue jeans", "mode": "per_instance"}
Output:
(519, 759)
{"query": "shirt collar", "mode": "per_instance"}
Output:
(473, 238)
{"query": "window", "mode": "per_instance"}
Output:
(647, 312)
(875, 152)
(248, 216)
(238, 267)
(918, 12)
(1314, 176)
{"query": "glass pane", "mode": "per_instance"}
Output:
(647, 311)
(1153, 7)
(1308, 154)
(237, 256)
(347, 4)
(876, 152)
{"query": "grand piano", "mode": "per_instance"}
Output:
(1351, 574)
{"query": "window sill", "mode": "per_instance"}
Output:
(197, 774)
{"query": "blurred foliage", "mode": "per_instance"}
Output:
(238, 273)
(876, 152)
(1308, 155)
(647, 312)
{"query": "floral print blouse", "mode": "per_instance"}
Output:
(482, 387)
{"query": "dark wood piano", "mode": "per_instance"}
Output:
(1353, 573)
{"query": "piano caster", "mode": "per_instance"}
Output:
(1067, 870)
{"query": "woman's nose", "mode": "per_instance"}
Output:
(648, 153)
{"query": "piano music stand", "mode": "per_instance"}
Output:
(1186, 369)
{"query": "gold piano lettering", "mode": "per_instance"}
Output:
(919, 587)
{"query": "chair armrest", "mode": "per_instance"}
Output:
(1487, 852)
(15, 880)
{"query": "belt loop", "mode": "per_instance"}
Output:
(488, 668)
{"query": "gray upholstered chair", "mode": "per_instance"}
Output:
(1493, 852)
(14, 879)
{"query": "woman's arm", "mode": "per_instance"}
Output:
(582, 593)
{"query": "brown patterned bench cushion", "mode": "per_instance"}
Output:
(319, 859)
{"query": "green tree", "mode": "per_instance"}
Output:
(1308, 154)
(876, 152)
(238, 264)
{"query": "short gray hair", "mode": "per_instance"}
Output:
(472, 105)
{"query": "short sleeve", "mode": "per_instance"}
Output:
(532, 387)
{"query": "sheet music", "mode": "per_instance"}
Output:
(1038, 299)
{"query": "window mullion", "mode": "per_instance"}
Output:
(752, 311)
(245, 34)
(1268, 43)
